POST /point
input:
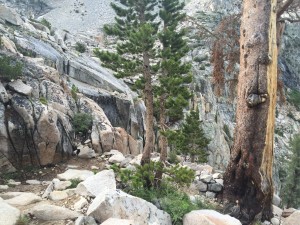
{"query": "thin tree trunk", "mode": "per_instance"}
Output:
(148, 94)
(248, 178)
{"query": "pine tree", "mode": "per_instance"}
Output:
(291, 187)
(190, 140)
(136, 30)
(173, 93)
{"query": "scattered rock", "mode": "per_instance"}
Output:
(73, 174)
(3, 187)
(86, 153)
(58, 195)
(86, 220)
(215, 187)
(23, 198)
(13, 183)
(217, 176)
(117, 204)
(33, 182)
(220, 181)
(276, 200)
(209, 217)
(206, 178)
(275, 221)
(102, 182)
(210, 194)
(8, 214)
(52, 212)
(20, 87)
(115, 221)
(117, 158)
(293, 219)
(61, 185)
(80, 203)
(201, 186)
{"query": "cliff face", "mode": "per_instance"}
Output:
(37, 109)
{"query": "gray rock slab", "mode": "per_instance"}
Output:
(10, 16)
(102, 182)
(24, 198)
(20, 87)
(52, 212)
(75, 174)
(8, 214)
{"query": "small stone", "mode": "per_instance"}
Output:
(210, 194)
(220, 181)
(94, 168)
(61, 185)
(206, 178)
(73, 174)
(201, 186)
(14, 183)
(86, 153)
(118, 158)
(216, 187)
(217, 176)
(3, 187)
(58, 195)
(72, 167)
(87, 141)
(276, 200)
(275, 221)
(80, 203)
(33, 182)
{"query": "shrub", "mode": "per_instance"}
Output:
(82, 122)
(23, 220)
(172, 157)
(80, 47)
(74, 92)
(74, 182)
(9, 69)
(43, 100)
(46, 23)
(294, 98)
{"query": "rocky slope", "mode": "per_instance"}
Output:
(77, 23)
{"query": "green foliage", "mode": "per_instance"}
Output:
(190, 139)
(80, 47)
(294, 98)
(181, 176)
(172, 158)
(1, 43)
(74, 182)
(82, 122)
(74, 91)
(9, 69)
(43, 100)
(23, 220)
(291, 187)
(46, 23)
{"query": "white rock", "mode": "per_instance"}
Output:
(72, 167)
(275, 221)
(58, 195)
(206, 178)
(3, 187)
(33, 182)
(118, 158)
(99, 183)
(80, 203)
(209, 217)
(217, 176)
(94, 168)
(115, 221)
(117, 204)
(136, 160)
(52, 212)
(220, 181)
(61, 185)
(8, 214)
(75, 174)
(86, 153)
(113, 152)
(293, 219)
(48, 190)
(14, 183)
(20, 87)
(24, 198)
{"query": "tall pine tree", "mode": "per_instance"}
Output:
(173, 94)
(136, 30)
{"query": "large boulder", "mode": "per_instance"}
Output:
(9, 214)
(293, 219)
(52, 212)
(102, 182)
(117, 204)
(209, 217)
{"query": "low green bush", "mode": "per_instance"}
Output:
(46, 23)
(9, 69)
(74, 182)
(23, 220)
(80, 47)
(294, 98)
(82, 122)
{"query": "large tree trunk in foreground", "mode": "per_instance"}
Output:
(148, 94)
(248, 179)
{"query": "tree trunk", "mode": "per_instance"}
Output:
(163, 143)
(248, 178)
(148, 94)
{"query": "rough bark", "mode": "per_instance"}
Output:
(248, 178)
(148, 94)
